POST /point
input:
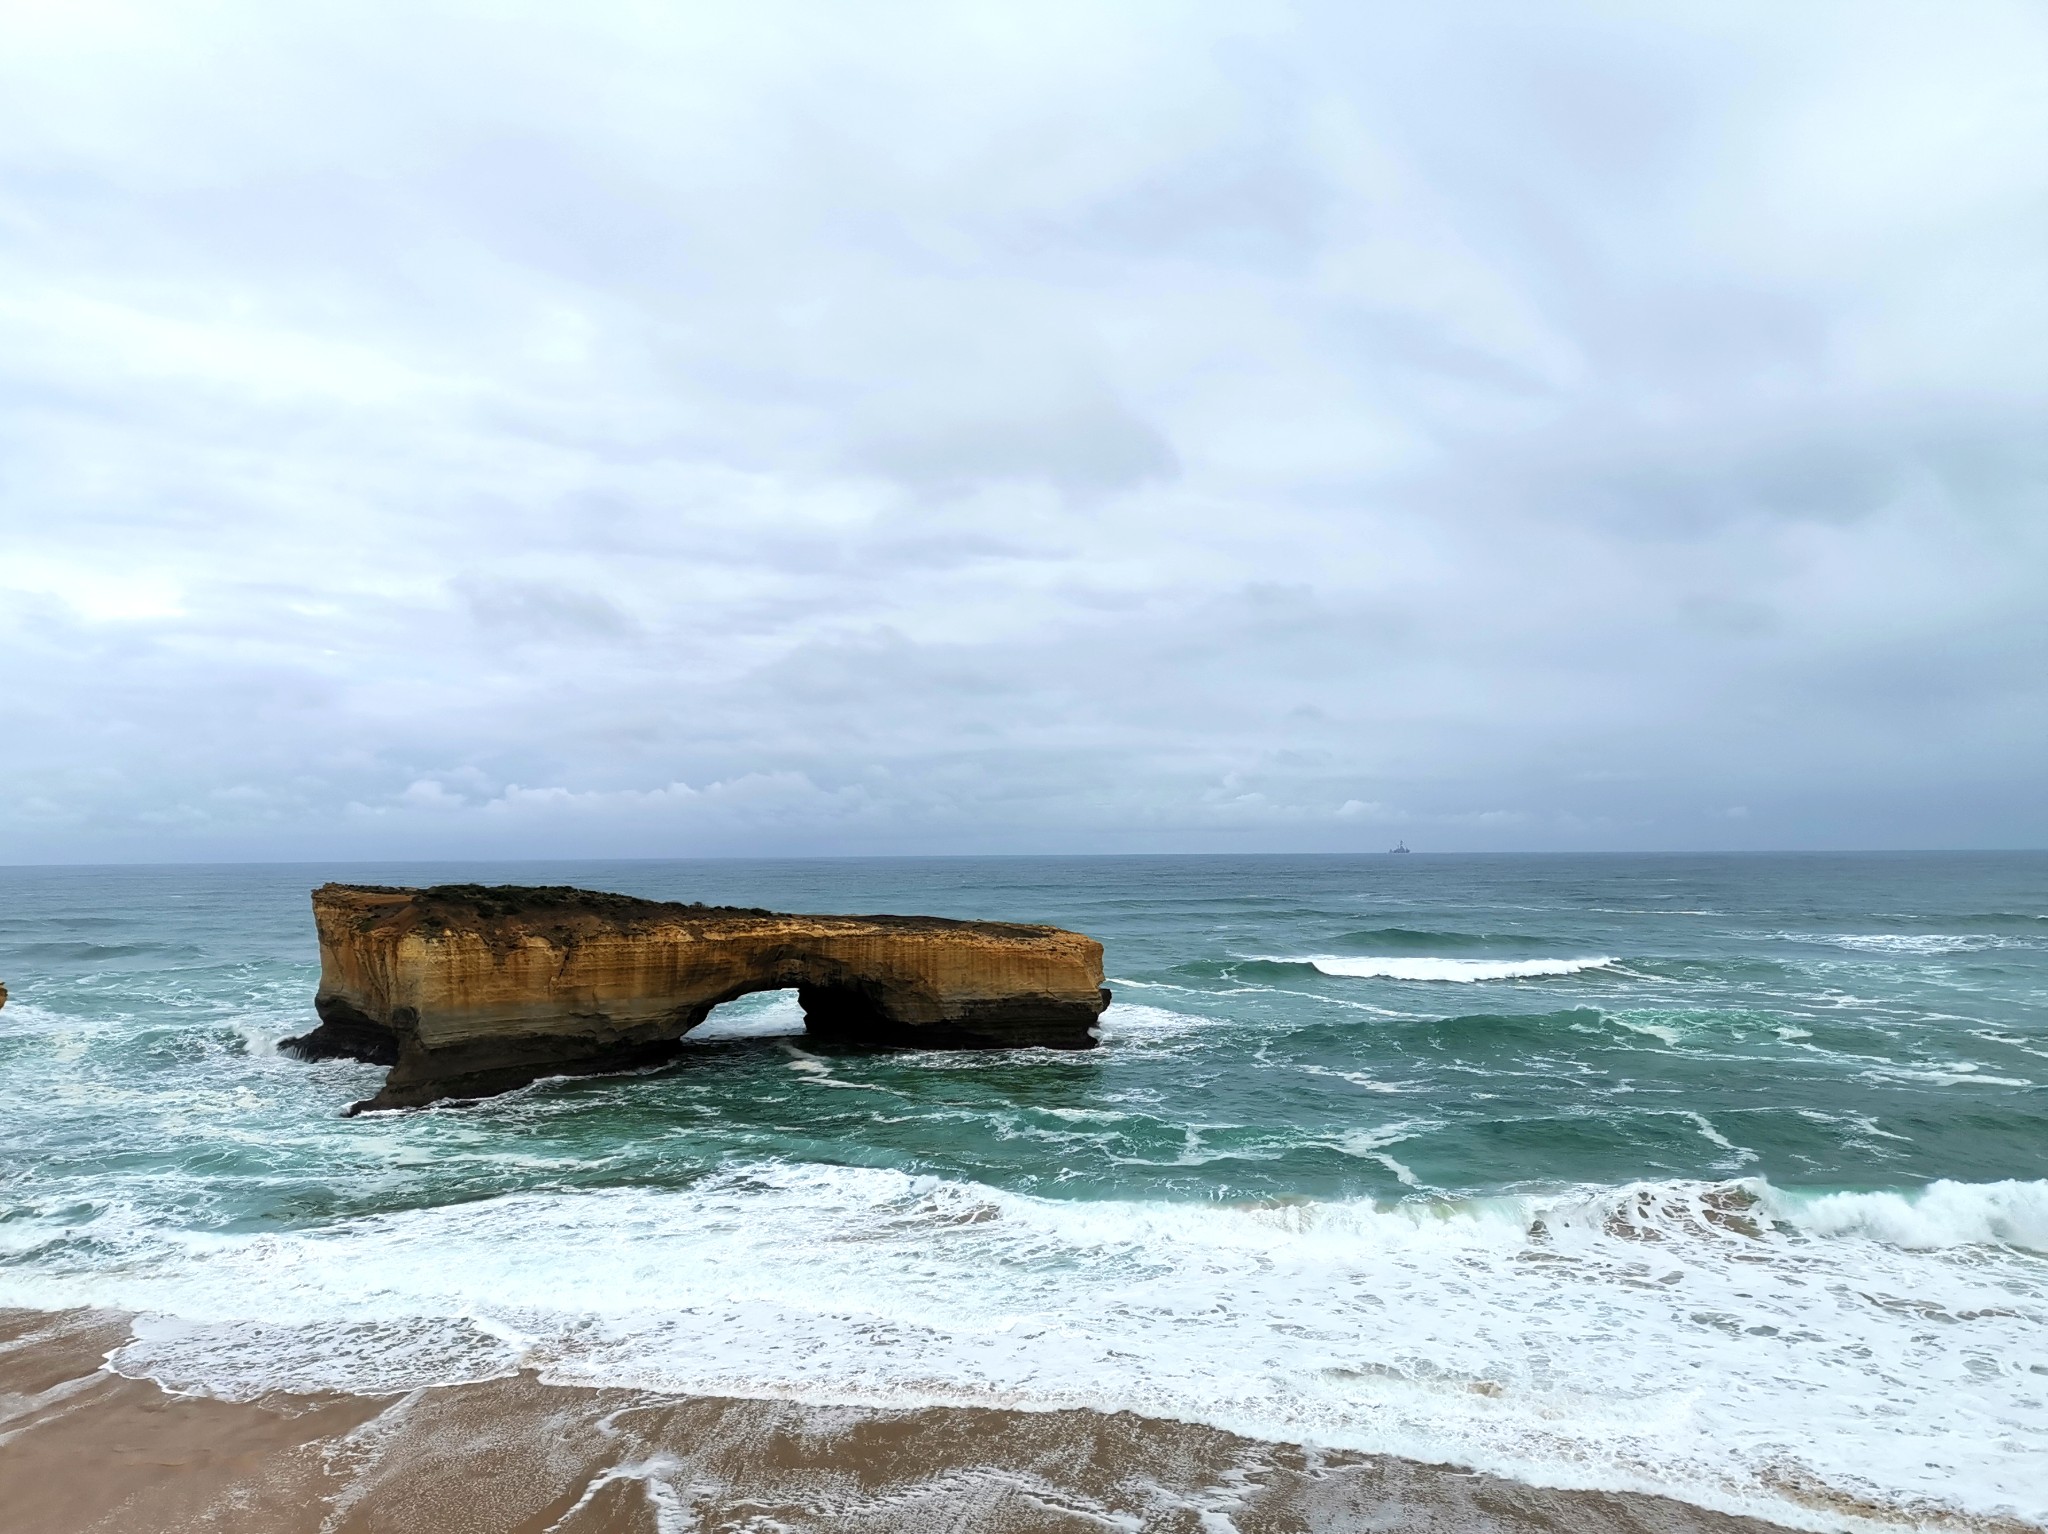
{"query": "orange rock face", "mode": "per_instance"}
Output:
(466, 990)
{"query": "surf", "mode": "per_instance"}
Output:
(1698, 1336)
(1453, 971)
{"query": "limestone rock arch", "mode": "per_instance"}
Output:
(469, 990)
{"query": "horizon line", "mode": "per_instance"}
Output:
(906, 857)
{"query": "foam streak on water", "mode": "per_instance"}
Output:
(1725, 1178)
(1457, 971)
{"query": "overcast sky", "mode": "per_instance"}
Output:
(637, 429)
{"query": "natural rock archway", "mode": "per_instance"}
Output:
(467, 990)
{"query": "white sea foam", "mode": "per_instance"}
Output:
(1742, 1153)
(1959, 1073)
(1712, 1341)
(1670, 1031)
(26, 1017)
(1133, 1023)
(1365, 1079)
(777, 1014)
(1457, 971)
(763, 1015)
(1931, 944)
(1367, 1144)
(1944, 1214)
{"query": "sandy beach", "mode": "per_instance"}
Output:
(84, 1449)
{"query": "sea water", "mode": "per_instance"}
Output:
(1724, 1177)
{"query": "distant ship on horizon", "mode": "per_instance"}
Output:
(1401, 846)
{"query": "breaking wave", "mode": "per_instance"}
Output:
(1943, 1214)
(1457, 971)
(1931, 944)
(1702, 1339)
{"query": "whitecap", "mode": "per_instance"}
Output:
(819, 1073)
(1457, 971)
(1929, 944)
(1365, 1079)
(1669, 1032)
(1943, 1214)
(1714, 1136)
(1368, 1145)
(1956, 1073)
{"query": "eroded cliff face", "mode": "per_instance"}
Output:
(465, 991)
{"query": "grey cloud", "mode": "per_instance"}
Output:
(542, 610)
(1088, 447)
(1162, 426)
(1251, 204)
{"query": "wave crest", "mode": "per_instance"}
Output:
(1943, 1214)
(1456, 971)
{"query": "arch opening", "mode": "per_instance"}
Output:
(770, 1013)
(833, 1007)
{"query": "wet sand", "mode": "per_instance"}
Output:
(84, 1449)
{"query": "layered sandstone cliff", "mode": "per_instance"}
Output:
(465, 991)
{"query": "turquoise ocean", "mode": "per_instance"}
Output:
(1724, 1177)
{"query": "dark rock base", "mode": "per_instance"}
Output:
(344, 1034)
(488, 1067)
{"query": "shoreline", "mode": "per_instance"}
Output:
(85, 1449)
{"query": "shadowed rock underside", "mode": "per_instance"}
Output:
(469, 990)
